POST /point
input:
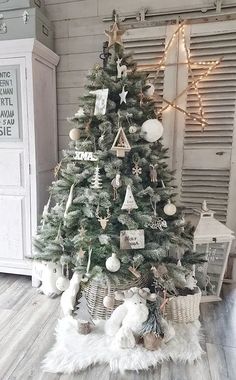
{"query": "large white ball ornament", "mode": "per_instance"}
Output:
(62, 283)
(170, 209)
(113, 263)
(152, 130)
(74, 134)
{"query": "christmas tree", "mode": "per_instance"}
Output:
(113, 212)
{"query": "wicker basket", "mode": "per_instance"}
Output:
(184, 309)
(96, 290)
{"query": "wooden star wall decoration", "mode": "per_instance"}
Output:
(208, 66)
(114, 35)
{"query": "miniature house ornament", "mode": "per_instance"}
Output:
(121, 144)
(214, 239)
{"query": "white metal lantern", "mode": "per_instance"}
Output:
(213, 238)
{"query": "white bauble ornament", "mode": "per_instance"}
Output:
(74, 134)
(109, 302)
(151, 130)
(132, 129)
(62, 283)
(113, 263)
(170, 208)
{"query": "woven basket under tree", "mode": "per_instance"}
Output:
(97, 289)
(184, 309)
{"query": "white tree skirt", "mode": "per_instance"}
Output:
(73, 352)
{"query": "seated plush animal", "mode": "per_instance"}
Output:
(68, 298)
(126, 320)
(50, 272)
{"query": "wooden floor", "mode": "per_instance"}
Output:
(27, 322)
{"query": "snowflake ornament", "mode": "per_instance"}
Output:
(136, 170)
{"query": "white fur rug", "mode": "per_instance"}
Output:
(73, 352)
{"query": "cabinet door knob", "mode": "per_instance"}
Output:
(220, 153)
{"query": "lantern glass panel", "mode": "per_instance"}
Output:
(209, 274)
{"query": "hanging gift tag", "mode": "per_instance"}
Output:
(101, 101)
(132, 239)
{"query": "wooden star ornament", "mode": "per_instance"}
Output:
(114, 35)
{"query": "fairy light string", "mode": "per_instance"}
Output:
(200, 116)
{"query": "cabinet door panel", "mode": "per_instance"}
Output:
(11, 164)
(12, 227)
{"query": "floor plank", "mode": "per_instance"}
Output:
(217, 362)
(230, 357)
(30, 364)
(28, 320)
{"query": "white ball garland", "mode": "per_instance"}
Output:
(113, 263)
(152, 130)
(170, 208)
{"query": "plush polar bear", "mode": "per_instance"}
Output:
(48, 274)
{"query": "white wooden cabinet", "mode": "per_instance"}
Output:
(28, 145)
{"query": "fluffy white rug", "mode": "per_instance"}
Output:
(73, 352)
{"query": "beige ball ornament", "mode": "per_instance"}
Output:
(109, 302)
(132, 129)
(170, 208)
(74, 134)
(152, 130)
(113, 263)
(62, 283)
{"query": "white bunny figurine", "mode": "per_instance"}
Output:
(50, 273)
(69, 296)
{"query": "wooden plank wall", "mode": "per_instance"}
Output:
(79, 34)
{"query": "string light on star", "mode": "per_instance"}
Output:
(209, 65)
